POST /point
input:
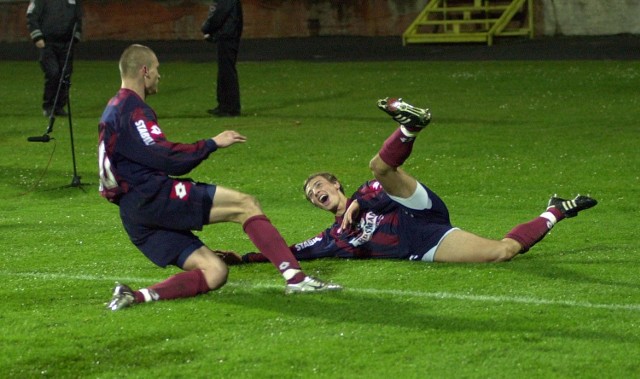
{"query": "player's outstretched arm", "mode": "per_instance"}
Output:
(228, 138)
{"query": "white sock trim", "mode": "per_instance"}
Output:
(290, 273)
(406, 132)
(146, 294)
(550, 217)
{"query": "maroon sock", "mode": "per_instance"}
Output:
(270, 243)
(184, 284)
(396, 149)
(530, 233)
(413, 129)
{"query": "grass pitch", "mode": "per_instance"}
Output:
(505, 136)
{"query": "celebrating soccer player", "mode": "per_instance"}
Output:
(395, 216)
(158, 211)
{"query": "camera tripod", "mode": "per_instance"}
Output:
(65, 82)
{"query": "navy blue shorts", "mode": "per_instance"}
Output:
(161, 226)
(423, 230)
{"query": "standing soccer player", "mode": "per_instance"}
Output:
(137, 165)
(395, 216)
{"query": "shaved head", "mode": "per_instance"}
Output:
(135, 57)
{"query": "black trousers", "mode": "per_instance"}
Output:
(228, 89)
(52, 58)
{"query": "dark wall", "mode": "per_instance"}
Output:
(181, 19)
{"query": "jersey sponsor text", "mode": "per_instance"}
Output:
(144, 133)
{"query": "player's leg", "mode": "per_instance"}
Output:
(530, 233)
(394, 180)
(204, 271)
(183, 285)
(212, 266)
(461, 246)
(398, 146)
(233, 206)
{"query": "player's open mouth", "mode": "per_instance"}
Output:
(323, 199)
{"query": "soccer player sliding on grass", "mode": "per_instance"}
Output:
(395, 216)
(159, 211)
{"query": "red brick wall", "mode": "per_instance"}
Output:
(13, 22)
(181, 19)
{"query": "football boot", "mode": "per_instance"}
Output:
(405, 114)
(311, 284)
(570, 208)
(122, 297)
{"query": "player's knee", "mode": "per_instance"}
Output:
(378, 166)
(216, 276)
(249, 207)
(250, 203)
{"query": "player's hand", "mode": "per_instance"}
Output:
(349, 215)
(231, 258)
(228, 138)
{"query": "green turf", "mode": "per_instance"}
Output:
(505, 136)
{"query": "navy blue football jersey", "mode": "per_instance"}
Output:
(134, 153)
(383, 229)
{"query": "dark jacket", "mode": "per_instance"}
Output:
(224, 20)
(53, 20)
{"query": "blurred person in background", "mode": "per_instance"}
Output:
(223, 27)
(51, 27)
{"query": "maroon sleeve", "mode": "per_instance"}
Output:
(147, 145)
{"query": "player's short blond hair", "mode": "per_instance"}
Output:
(327, 175)
(133, 58)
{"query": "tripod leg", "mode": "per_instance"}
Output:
(75, 182)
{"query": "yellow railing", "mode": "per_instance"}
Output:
(470, 21)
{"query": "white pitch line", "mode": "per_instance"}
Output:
(502, 299)
(370, 291)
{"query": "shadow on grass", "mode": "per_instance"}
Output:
(384, 310)
(47, 182)
(559, 267)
